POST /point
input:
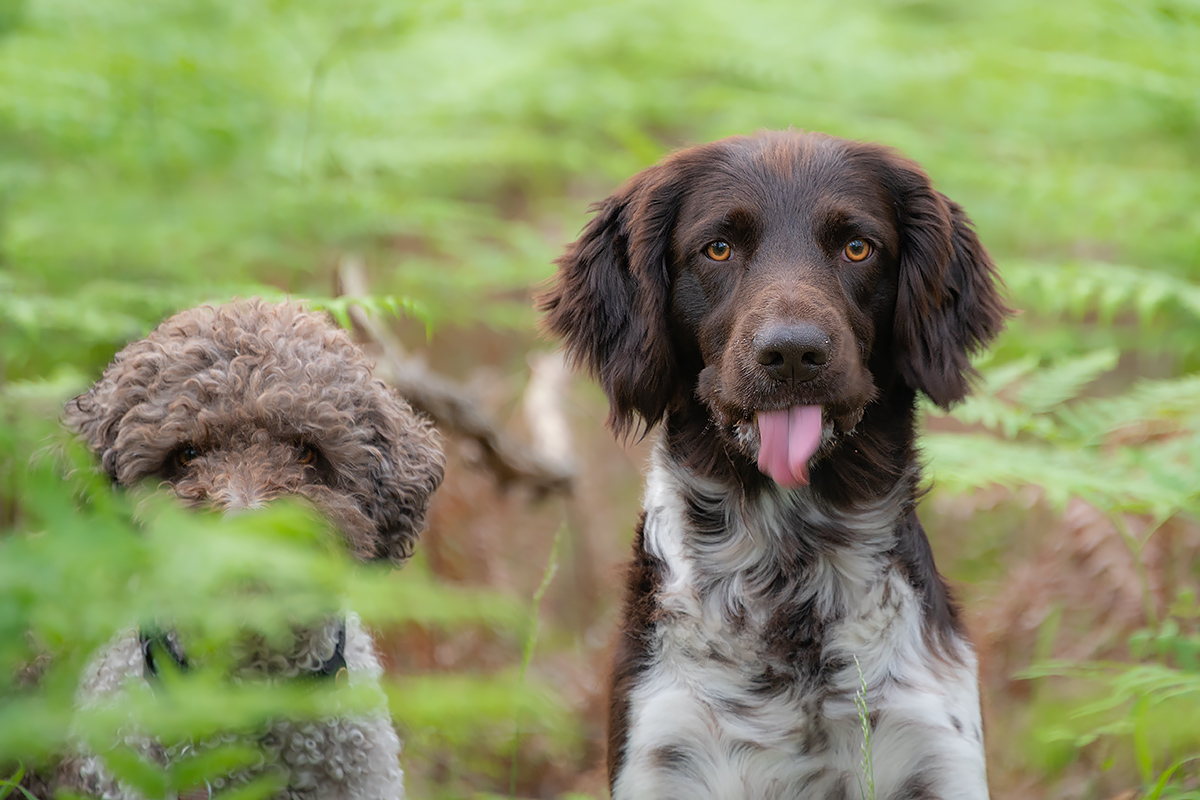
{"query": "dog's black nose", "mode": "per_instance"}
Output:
(792, 352)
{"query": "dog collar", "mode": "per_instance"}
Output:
(155, 643)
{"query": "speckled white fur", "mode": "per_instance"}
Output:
(695, 701)
(343, 758)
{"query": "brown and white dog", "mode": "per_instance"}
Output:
(775, 303)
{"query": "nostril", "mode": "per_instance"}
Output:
(770, 358)
(792, 352)
(814, 357)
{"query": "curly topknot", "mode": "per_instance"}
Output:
(238, 404)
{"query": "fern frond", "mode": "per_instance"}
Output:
(1037, 390)
(1152, 409)
(1079, 287)
(1054, 385)
(1161, 481)
(997, 415)
(389, 305)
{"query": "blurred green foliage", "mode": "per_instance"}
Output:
(157, 154)
(88, 563)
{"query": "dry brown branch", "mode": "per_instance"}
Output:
(445, 401)
(550, 435)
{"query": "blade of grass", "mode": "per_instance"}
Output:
(530, 644)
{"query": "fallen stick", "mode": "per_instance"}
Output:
(446, 402)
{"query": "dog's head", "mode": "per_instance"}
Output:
(785, 280)
(237, 405)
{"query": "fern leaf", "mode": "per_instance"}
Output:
(1079, 287)
(1161, 483)
(1062, 381)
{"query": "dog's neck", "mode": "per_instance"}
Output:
(750, 536)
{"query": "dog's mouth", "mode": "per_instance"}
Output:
(787, 439)
(786, 442)
(785, 431)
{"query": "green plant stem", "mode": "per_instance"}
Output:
(864, 718)
(1136, 548)
(530, 644)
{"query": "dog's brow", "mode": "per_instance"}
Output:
(848, 222)
(737, 220)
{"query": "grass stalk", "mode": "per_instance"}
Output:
(530, 643)
(866, 778)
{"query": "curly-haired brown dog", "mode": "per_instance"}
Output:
(233, 407)
(775, 303)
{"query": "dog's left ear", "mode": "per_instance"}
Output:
(408, 467)
(948, 304)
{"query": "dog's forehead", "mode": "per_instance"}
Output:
(247, 367)
(784, 173)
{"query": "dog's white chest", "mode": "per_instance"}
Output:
(703, 730)
(722, 712)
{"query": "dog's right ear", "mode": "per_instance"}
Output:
(96, 414)
(610, 298)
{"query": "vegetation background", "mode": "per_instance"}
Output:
(154, 155)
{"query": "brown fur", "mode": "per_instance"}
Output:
(234, 406)
(249, 386)
(641, 585)
(671, 335)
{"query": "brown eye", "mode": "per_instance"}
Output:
(857, 250)
(718, 250)
(186, 455)
(306, 454)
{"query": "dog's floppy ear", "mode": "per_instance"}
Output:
(948, 304)
(610, 298)
(405, 467)
(97, 413)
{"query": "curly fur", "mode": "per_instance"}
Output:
(248, 384)
(232, 407)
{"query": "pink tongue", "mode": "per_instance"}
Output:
(789, 438)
